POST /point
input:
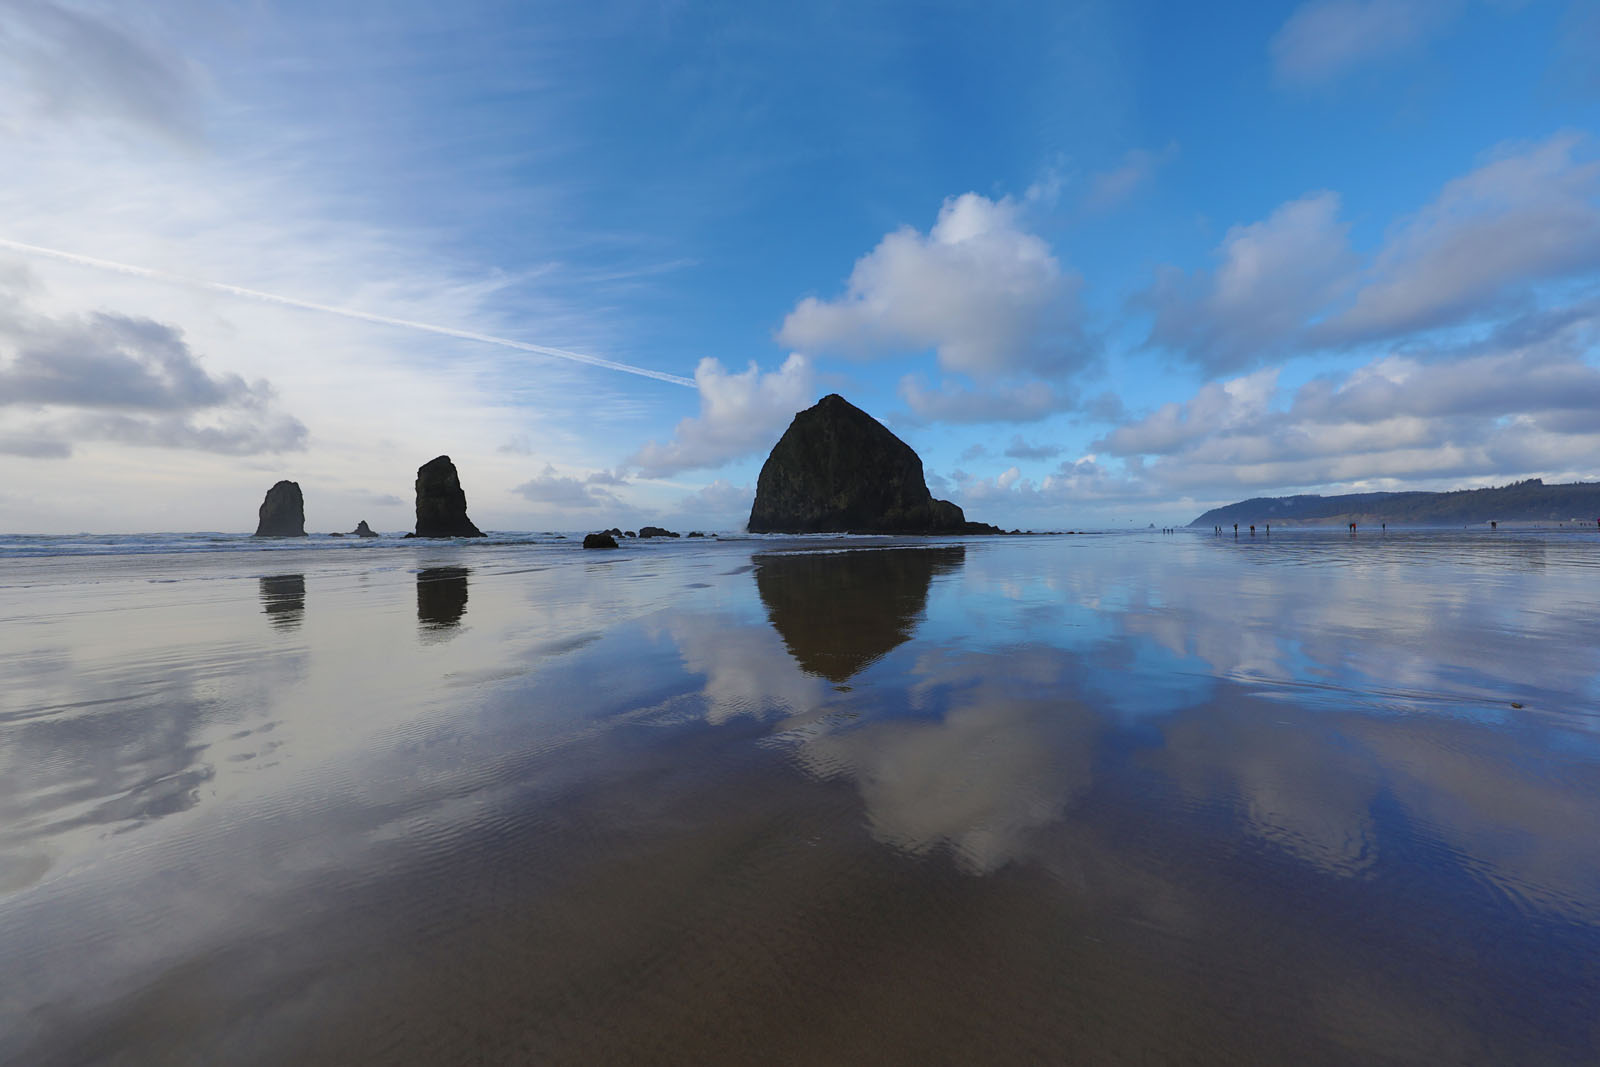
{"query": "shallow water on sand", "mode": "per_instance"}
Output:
(1173, 799)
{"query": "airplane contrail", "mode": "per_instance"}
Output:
(349, 313)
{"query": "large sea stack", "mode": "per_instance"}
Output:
(441, 504)
(283, 512)
(839, 470)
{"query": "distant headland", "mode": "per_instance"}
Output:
(1526, 501)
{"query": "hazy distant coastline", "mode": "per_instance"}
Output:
(1527, 501)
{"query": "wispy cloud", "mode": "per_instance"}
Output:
(1326, 39)
(1109, 189)
(349, 313)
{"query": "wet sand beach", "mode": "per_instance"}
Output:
(1120, 798)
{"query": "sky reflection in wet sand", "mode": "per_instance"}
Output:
(1176, 798)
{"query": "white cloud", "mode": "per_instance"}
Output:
(1326, 39)
(1291, 282)
(1515, 405)
(1018, 401)
(739, 414)
(987, 295)
(565, 491)
(1524, 217)
(109, 377)
(718, 506)
(1216, 408)
(1273, 276)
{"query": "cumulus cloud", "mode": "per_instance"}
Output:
(739, 414)
(1326, 39)
(1524, 217)
(1272, 277)
(1022, 401)
(110, 377)
(565, 491)
(113, 361)
(718, 506)
(1217, 407)
(1020, 449)
(985, 294)
(1518, 403)
(1291, 282)
(1109, 189)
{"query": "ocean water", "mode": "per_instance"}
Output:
(1310, 798)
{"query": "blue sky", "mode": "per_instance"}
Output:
(1099, 263)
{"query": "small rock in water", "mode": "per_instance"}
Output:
(363, 530)
(599, 540)
(655, 531)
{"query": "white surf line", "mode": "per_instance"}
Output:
(349, 313)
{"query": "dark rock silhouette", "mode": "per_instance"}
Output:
(363, 530)
(614, 532)
(441, 597)
(283, 512)
(599, 540)
(283, 599)
(836, 469)
(630, 533)
(838, 612)
(655, 531)
(696, 533)
(441, 504)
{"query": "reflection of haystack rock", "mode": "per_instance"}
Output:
(283, 599)
(839, 612)
(441, 597)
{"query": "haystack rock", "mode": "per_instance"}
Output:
(363, 530)
(441, 504)
(283, 512)
(837, 469)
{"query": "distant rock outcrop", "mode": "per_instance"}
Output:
(655, 531)
(837, 469)
(441, 504)
(599, 540)
(283, 512)
(363, 530)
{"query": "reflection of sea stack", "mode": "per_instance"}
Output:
(283, 512)
(283, 599)
(441, 504)
(837, 469)
(839, 612)
(441, 597)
